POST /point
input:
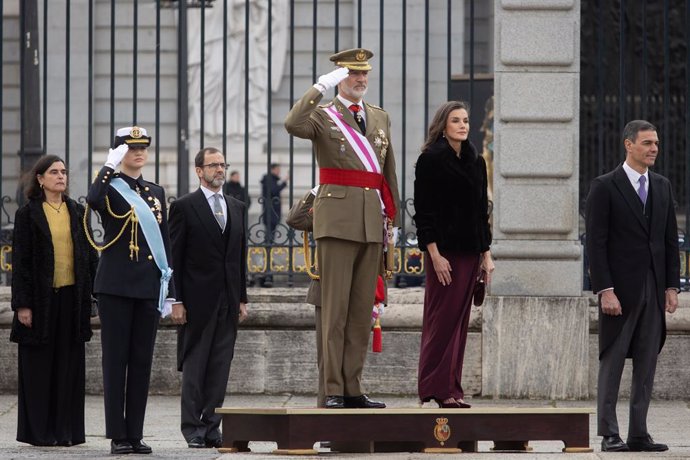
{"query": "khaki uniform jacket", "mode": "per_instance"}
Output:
(348, 213)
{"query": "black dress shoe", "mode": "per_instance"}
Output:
(121, 447)
(645, 444)
(362, 402)
(335, 402)
(196, 443)
(214, 443)
(140, 447)
(613, 443)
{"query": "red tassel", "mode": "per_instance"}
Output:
(377, 343)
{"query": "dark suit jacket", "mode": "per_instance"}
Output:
(118, 274)
(33, 270)
(207, 262)
(622, 245)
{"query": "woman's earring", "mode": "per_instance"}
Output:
(443, 134)
(41, 186)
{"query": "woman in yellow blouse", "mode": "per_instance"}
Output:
(53, 268)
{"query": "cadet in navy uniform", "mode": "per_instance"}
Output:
(131, 284)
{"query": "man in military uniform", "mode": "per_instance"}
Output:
(131, 284)
(357, 199)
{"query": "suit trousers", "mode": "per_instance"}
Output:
(128, 335)
(639, 339)
(205, 373)
(348, 272)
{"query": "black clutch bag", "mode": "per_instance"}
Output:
(479, 289)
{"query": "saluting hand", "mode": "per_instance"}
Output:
(610, 305)
(331, 79)
(116, 155)
(24, 316)
(179, 313)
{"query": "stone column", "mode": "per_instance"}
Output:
(536, 328)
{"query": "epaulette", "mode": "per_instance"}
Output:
(374, 107)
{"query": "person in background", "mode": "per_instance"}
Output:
(52, 277)
(234, 188)
(451, 213)
(271, 187)
(133, 284)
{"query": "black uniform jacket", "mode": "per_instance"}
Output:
(208, 262)
(623, 244)
(118, 274)
(33, 269)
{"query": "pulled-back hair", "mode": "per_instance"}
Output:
(32, 188)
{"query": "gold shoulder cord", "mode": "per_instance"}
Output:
(307, 258)
(129, 216)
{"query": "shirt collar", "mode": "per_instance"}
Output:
(347, 103)
(634, 176)
(209, 193)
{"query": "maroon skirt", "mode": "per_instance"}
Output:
(444, 328)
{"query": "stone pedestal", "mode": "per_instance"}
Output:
(536, 346)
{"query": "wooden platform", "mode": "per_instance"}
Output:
(404, 429)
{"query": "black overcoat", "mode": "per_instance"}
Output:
(207, 262)
(33, 269)
(622, 245)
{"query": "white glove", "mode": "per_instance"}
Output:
(116, 155)
(331, 79)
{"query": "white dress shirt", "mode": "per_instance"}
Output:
(634, 178)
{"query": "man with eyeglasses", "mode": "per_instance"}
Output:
(207, 231)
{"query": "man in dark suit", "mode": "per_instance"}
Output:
(632, 245)
(131, 284)
(207, 230)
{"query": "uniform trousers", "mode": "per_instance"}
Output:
(51, 381)
(205, 373)
(348, 272)
(639, 339)
(128, 335)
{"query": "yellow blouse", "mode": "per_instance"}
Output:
(59, 224)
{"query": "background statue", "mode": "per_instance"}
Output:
(235, 83)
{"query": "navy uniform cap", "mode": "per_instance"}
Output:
(133, 136)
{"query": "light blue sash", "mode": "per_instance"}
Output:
(152, 234)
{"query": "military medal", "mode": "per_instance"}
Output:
(381, 141)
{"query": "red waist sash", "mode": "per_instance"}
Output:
(358, 178)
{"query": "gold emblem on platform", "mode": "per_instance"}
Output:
(442, 430)
(136, 132)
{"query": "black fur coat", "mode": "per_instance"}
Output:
(32, 273)
(450, 199)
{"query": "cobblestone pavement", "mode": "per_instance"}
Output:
(669, 422)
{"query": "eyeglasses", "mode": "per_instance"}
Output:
(215, 165)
